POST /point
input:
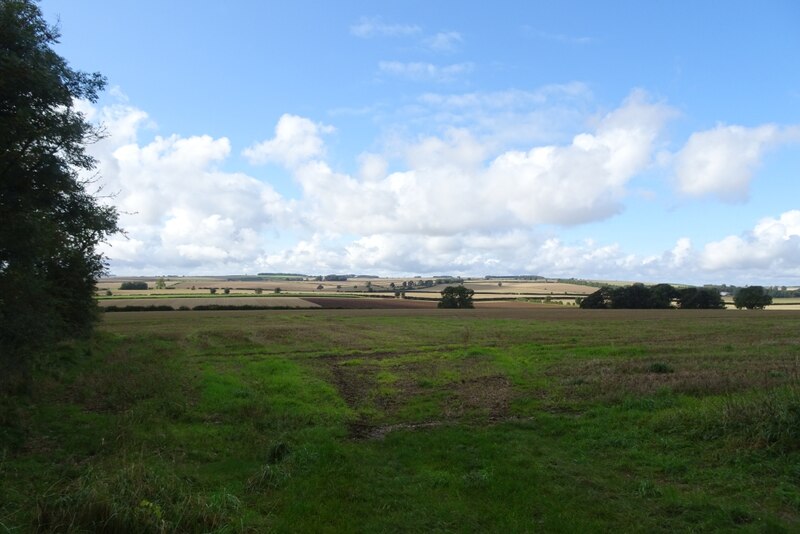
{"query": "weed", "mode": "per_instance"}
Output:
(660, 367)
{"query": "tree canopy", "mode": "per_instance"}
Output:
(640, 296)
(752, 298)
(700, 298)
(52, 223)
(456, 297)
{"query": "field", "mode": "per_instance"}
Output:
(507, 418)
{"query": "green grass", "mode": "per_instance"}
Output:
(355, 421)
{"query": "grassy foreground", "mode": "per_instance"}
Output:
(412, 420)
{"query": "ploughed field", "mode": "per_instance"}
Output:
(505, 418)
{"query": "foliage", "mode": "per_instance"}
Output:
(636, 296)
(752, 298)
(133, 285)
(51, 222)
(700, 298)
(161, 283)
(598, 300)
(456, 297)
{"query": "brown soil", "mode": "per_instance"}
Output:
(369, 303)
(475, 390)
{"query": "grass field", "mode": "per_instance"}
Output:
(499, 419)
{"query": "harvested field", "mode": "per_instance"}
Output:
(510, 417)
(369, 303)
(190, 302)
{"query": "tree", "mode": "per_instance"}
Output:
(635, 296)
(752, 298)
(133, 286)
(51, 223)
(700, 298)
(662, 295)
(456, 297)
(161, 283)
(598, 300)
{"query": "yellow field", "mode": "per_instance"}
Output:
(483, 288)
(190, 302)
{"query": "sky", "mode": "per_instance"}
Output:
(649, 141)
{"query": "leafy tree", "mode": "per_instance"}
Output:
(662, 295)
(161, 283)
(212, 290)
(752, 298)
(697, 298)
(456, 297)
(598, 300)
(51, 223)
(130, 286)
(635, 296)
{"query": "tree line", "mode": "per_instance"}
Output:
(664, 296)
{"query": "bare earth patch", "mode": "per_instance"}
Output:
(392, 392)
(369, 303)
(190, 302)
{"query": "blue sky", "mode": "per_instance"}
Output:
(629, 140)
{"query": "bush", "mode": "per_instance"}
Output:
(752, 298)
(134, 286)
(456, 297)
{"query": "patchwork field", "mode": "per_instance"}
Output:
(189, 302)
(506, 418)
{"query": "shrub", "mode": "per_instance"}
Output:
(134, 286)
(456, 297)
(661, 367)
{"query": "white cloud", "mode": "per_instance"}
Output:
(447, 202)
(180, 212)
(444, 41)
(418, 71)
(721, 162)
(297, 139)
(368, 27)
(584, 181)
(772, 246)
(561, 37)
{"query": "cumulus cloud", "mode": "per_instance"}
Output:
(452, 201)
(585, 180)
(419, 71)
(179, 210)
(444, 41)
(297, 139)
(454, 182)
(772, 245)
(721, 162)
(368, 27)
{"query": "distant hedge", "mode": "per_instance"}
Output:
(136, 308)
(233, 307)
(133, 285)
(201, 307)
